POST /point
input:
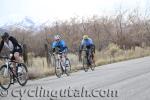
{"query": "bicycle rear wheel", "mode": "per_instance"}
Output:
(92, 66)
(22, 74)
(5, 77)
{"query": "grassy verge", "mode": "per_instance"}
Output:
(105, 57)
(38, 67)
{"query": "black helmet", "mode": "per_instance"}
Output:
(5, 35)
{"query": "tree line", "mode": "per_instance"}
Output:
(127, 29)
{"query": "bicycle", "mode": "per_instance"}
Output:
(88, 60)
(8, 76)
(62, 64)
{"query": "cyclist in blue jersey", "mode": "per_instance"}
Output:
(59, 46)
(89, 45)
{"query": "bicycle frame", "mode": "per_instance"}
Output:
(59, 56)
(8, 63)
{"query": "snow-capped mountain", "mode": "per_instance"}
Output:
(27, 22)
(24, 23)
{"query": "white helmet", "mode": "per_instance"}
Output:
(57, 37)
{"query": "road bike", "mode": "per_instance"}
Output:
(88, 59)
(8, 76)
(61, 63)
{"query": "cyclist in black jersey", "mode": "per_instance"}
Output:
(13, 46)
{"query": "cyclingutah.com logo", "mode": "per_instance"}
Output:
(40, 92)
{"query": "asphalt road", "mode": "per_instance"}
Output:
(128, 80)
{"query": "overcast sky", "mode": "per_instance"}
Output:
(43, 10)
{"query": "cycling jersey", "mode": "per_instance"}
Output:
(12, 45)
(87, 42)
(60, 44)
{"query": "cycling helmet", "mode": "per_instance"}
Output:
(57, 37)
(5, 35)
(85, 37)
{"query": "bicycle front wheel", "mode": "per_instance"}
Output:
(52, 61)
(22, 74)
(68, 67)
(58, 68)
(5, 77)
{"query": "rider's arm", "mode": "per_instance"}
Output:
(64, 46)
(91, 41)
(62, 42)
(92, 44)
(15, 42)
(53, 46)
(1, 45)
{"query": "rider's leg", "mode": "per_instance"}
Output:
(93, 52)
(93, 58)
(13, 64)
(87, 56)
(65, 56)
(18, 58)
(66, 60)
(62, 59)
(90, 56)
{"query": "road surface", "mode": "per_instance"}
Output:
(128, 80)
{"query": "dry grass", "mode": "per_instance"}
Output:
(39, 68)
(104, 57)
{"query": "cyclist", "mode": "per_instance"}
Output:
(61, 45)
(13, 46)
(89, 45)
